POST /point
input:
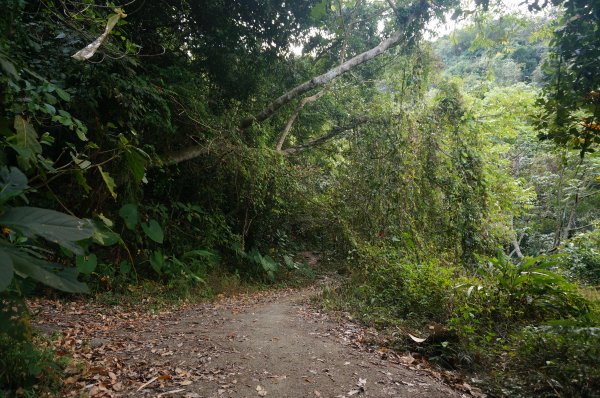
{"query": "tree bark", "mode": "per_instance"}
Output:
(572, 216)
(322, 79)
(290, 122)
(516, 242)
(517, 247)
(184, 154)
(561, 213)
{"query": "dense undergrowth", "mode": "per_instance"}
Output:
(521, 329)
(457, 179)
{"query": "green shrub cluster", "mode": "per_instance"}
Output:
(523, 321)
(28, 368)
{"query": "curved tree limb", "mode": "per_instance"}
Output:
(322, 79)
(290, 122)
(419, 9)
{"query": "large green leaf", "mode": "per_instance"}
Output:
(268, 264)
(157, 261)
(7, 271)
(49, 224)
(153, 230)
(86, 264)
(9, 67)
(125, 267)
(49, 274)
(104, 235)
(108, 181)
(137, 164)
(12, 183)
(129, 214)
(210, 256)
(26, 144)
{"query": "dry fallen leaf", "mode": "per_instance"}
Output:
(88, 51)
(261, 391)
(416, 339)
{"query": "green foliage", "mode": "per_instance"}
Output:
(424, 175)
(27, 367)
(86, 264)
(570, 103)
(24, 364)
(25, 223)
(579, 258)
(473, 321)
(495, 49)
(129, 214)
(51, 225)
(532, 289)
(413, 294)
(153, 231)
(565, 359)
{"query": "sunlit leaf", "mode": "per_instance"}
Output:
(108, 181)
(104, 235)
(88, 51)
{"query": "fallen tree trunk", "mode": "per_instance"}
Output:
(321, 79)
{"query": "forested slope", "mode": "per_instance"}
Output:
(179, 146)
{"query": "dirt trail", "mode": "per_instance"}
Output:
(271, 345)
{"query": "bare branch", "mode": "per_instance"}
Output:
(393, 6)
(290, 122)
(336, 131)
(419, 8)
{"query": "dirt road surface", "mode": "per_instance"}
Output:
(272, 344)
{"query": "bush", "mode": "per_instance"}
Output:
(493, 322)
(510, 295)
(27, 368)
(559, 360)
(416, 293)
(581, 263)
